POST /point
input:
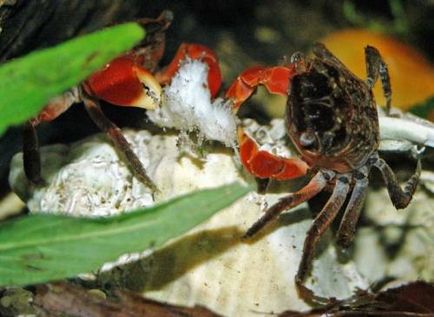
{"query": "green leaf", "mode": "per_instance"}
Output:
(40, 248)
(27, 83)
(424, 109)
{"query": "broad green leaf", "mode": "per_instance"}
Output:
(27, 83)
(40, 248)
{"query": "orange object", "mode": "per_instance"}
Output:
(412, 75)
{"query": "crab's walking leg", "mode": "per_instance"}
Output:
(400, 197)
(151, 48)
(31, 155)
(115, 134)
(319, 226)
(348, 224)
(317, 184)
(262, 185)
(375, 66)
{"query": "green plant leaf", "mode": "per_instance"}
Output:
(40, 248)
(424, 109)
(27, 83)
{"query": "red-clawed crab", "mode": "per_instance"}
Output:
(332, 120)
(130, 80)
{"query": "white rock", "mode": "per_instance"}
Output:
(211, 265)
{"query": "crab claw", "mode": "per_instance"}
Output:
(125, 83)
(194, 51)
(275, 79)
(263, 164)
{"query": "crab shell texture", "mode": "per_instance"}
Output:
(331, 115)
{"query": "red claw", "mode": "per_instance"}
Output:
(263, 164)
(195, 51)
(275, 79)
(259, 163)
(123, 82)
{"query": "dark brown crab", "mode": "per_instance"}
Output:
(332, 120)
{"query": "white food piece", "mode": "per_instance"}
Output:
(187, 106)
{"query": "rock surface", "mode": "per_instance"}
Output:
(211, 265)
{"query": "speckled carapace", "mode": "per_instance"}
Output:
(331, 114)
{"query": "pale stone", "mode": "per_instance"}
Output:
(210, 265)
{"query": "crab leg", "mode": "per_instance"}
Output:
(115, 134)
(31, 155)
(151, 50)
(319, 226)
(317, 184)
(400, 197)
(351, 215)
(375, 66)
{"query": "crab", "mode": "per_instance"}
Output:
(130, 80)
(332, 120)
